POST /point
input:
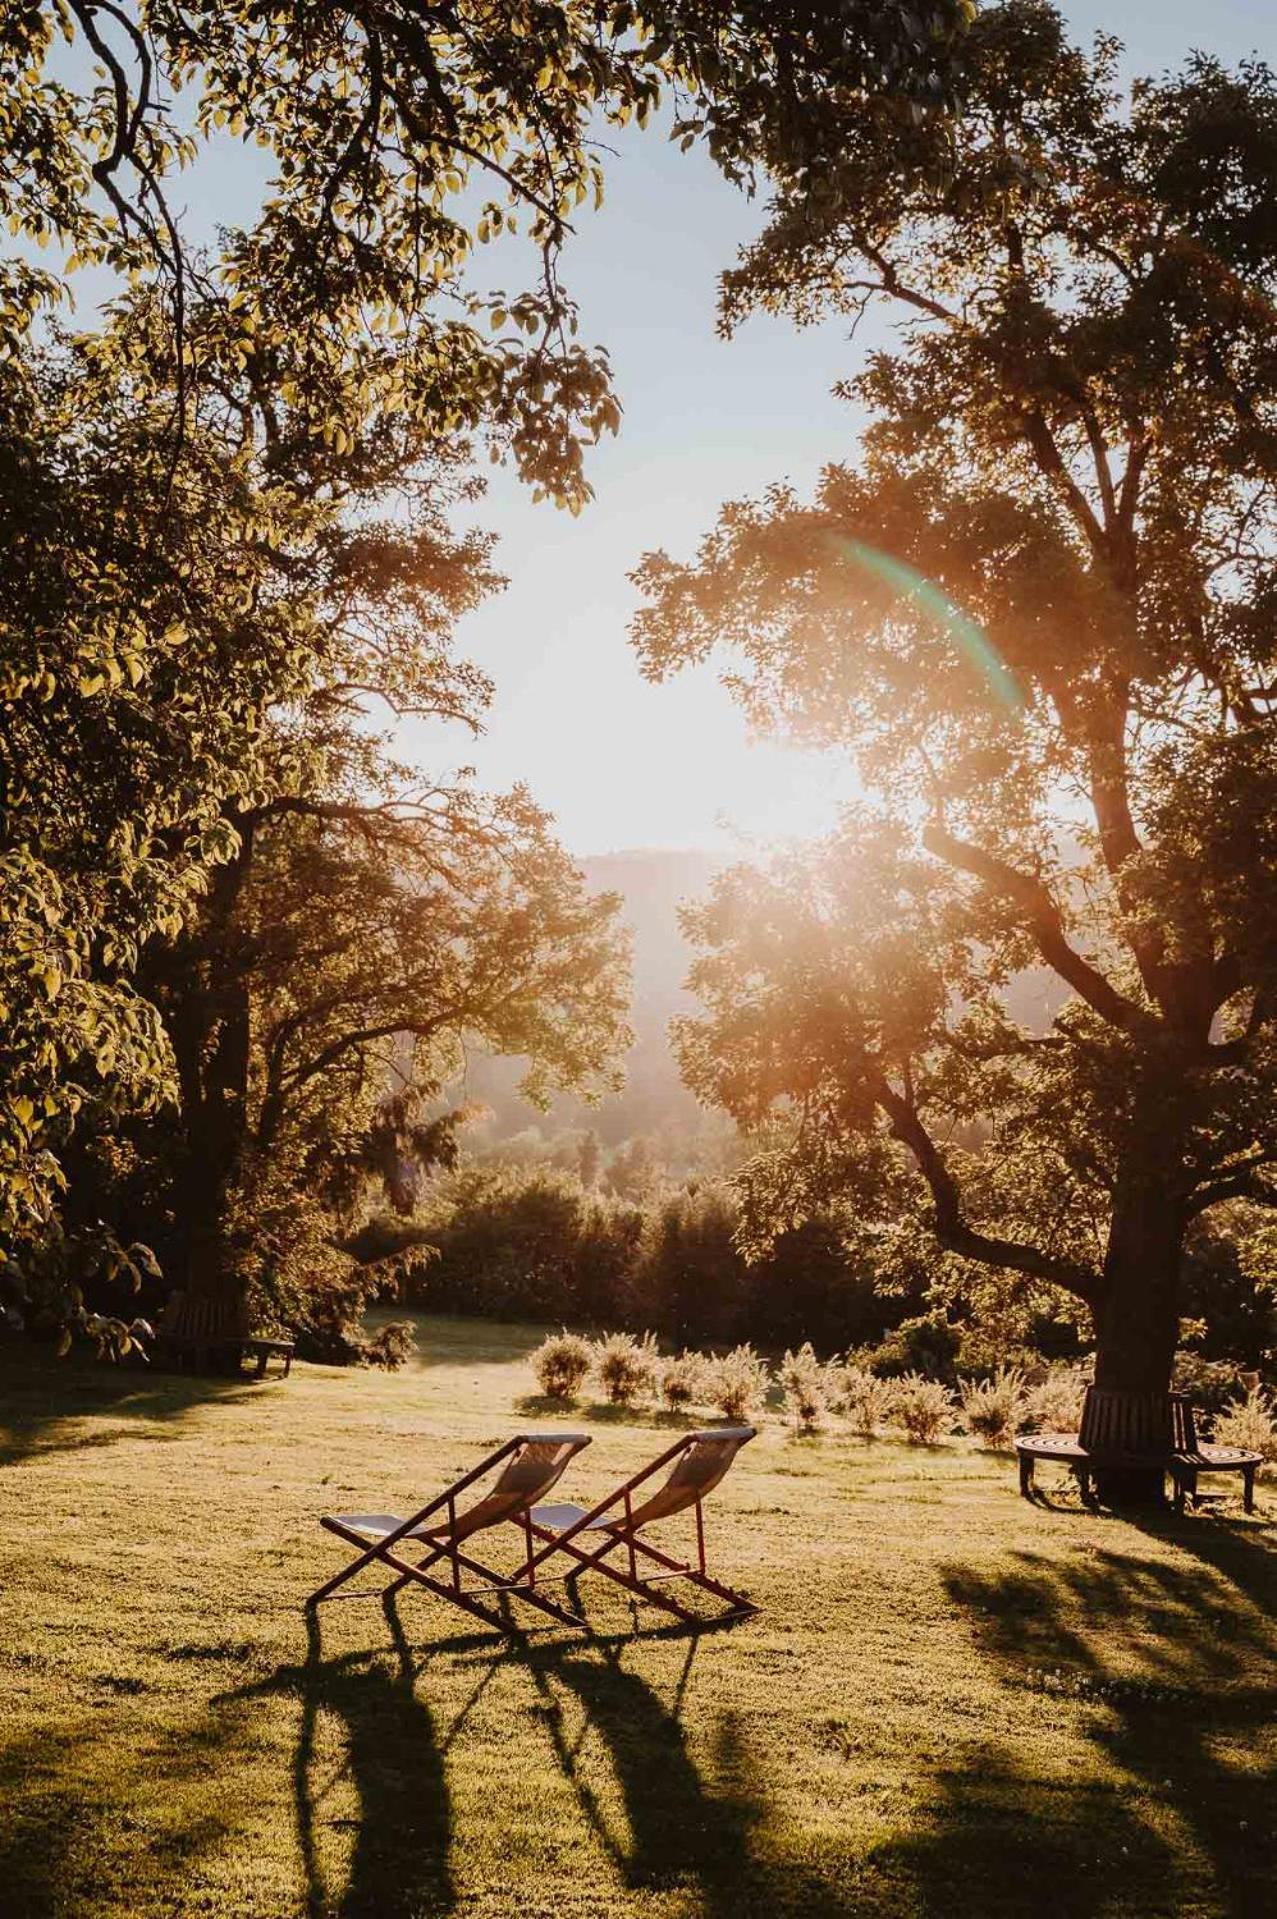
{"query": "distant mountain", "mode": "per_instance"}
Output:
(653, 884)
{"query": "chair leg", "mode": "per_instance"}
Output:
(736, 1601)
(595, 1562)
(416, 1577)
(643, 1589)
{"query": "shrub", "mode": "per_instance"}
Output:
(994, 1407)
(561, 1363)
(738, 1382)
(928, 1344)
(924, 1407)
(1054, 1405)
(1209, 1383)
(866, 1399)
(804, 1381)
(683, 1381)
(390, 1345)
(1250, 1422)
(626, 1367)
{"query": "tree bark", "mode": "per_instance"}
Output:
(1136, 1310)
(203, 994)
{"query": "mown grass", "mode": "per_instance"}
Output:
(953, 1703)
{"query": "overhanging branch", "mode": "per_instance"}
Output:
(1042, 915)
(950, 1225)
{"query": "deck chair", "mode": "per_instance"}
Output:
(697, 1463)
(530, 1464)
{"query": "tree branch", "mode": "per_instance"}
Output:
(1043, 917)
(952, 1229)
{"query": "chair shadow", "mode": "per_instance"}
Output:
(399, 1865)
(679, 1831)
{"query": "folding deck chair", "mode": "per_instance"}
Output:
(530, 1464)
(699, 1461)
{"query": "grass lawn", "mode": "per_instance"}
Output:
(953, 1703)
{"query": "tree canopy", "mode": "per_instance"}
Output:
(1039, 612)
(225, 502)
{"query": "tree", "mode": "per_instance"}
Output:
(183, 484)
(1039, 612)
(317, 1010)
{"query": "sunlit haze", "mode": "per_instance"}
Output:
(621, 763)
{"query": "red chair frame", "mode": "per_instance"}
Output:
(444, 1539)
(625, 1530)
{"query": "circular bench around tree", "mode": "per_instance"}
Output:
(1128, 1434)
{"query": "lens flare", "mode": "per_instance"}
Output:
(971, 640)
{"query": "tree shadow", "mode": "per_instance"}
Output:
(399, 1863)
(45, 1399)
(1163, 1660)
(679, 1832)
(76, 1810)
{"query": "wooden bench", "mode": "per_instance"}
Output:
(1184, 1456)
(211, 1334)
(261, 1349)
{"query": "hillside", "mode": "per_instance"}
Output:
(653, 884)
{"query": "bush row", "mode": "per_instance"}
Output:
(738, 1384)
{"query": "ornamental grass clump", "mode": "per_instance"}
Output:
(561, 1363)
(684, 1381)
(993, 1408)
(627, 1367)
(1054, 1405)
(924, 1407)
(866, 1400)
(738, 1382)
(805, 1384)
(1250, 1422)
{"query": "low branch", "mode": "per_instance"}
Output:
(1247, 1179)
(950, 1226)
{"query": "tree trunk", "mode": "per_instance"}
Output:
(202, 990)
(1136, 1313)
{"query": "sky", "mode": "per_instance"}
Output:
(618, 762)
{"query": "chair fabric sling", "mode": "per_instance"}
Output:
(530, 1464)
(698, 1463)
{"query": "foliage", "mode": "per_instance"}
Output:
(1208, 1382)
(683, 1381)
(927, 1343)
(1038, 612)
(390, 1347)
(994, 1408)
(737, 1382)
(1250, 1422)
(627, 1368)
(924, 1407)
(534, 1244)
(805, 1384)
(867, 1399)
(561, 1363)
(1054, 1404)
